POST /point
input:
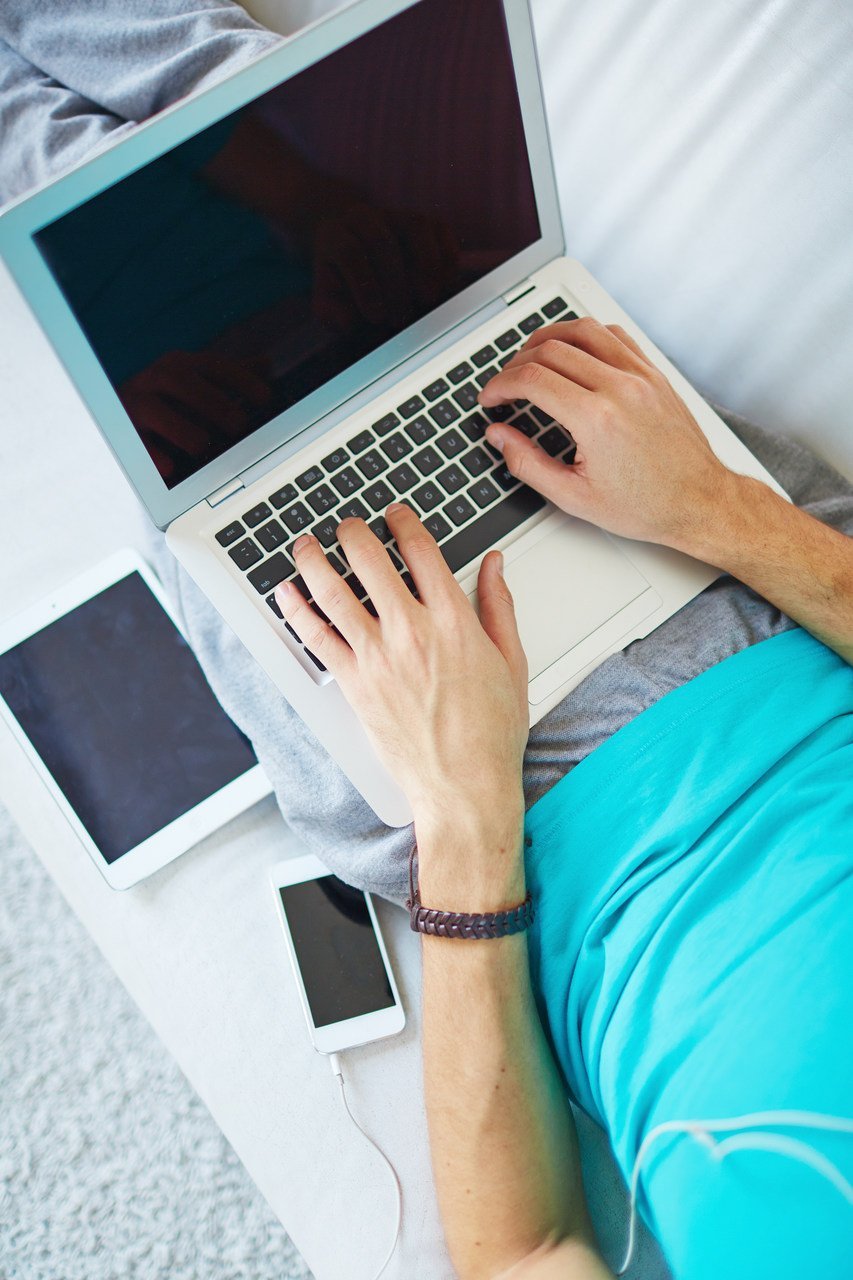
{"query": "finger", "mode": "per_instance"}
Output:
(593, 337)
(571, 362)
(558, 396)
(624, 336)
(332, 594)
(372, 565)
(419, 549)
(314, 633)
(562, 484)
(497, 615)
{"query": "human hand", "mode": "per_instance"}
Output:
(189, 405)
(644, 468)
(442, 695)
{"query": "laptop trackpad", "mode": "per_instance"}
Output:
(566, 586)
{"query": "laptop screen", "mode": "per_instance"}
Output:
(221, 283)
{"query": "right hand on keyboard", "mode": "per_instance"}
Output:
(644, 468)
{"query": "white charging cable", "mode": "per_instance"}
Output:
(337, 1070)
(703, 1130)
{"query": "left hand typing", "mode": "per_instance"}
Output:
(441, 693)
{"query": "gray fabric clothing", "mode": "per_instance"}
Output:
(65, 88)
(72, 80)
(323, 807)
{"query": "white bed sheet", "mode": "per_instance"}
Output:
(705, 161)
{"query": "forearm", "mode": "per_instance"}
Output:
(797, 563)
(503, 1140)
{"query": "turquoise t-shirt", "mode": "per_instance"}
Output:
(693, 950)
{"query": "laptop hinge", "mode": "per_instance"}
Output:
(526, 286)
(214, 499)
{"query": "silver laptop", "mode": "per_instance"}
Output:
(280, 298)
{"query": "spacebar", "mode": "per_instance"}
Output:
(495, 524)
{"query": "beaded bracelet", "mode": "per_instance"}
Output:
(462, 924)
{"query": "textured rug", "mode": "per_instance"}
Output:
(111, 1167)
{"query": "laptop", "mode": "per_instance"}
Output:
(280, 298)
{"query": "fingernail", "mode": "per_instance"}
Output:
(500, 562)
(395, 506)
(302, 542)
(284, 589)
(497, 436)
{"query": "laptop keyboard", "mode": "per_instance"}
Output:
(431, 453)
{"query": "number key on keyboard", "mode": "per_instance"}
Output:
(322, 499)
(444, 413)
(271, 535)
(297, 518)
(396, 447)
(347, 481)
(420, 430)
(245, 554)
(372, 464)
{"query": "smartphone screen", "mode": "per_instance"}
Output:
(336, 949)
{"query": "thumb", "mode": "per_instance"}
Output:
(533, 466)
(497, 613)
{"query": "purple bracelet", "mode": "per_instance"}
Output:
(462, 924)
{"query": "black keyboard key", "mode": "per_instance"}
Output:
(475, 426)
(493, 525)
(436, 389)
(459, 510)
(554, 441)
(256, 515)
(372, 464)
(486, 375)
(354, 509)
(313, 475)
(524, 422)
(379, 526)
(476, 461)
(322, 499)
(409, 582)
(378, 495)
(297, 518)
(420, 430)
(326, 531)
(396, 447)
(412, 406)
(437, 525)
(428, 460)
(337, 564)
(570, 454)
(271, 601)
(245, 554)
(443, 413)
(270, 573)
(540, 415)
(335, 459)
(362, 441)
(484, 356)
(529, 323)
(483, 492)
(499, 412)
(460, 372)
(508, 339)
(386, 424)
(284, 497)
(451, 443)
(466, 397)
(428, 496)
(403, 477)
(504, 360)
(554, 307)
(271, 535)
(504, 477)
(230, 533)
(347, 481)
(299, 582)
(315, 660)
(452, 478)
(356, 586)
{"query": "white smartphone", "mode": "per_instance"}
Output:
(342, 971)
(105, 696)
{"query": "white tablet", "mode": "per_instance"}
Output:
(105, 696)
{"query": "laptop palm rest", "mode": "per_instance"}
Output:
(567, 586)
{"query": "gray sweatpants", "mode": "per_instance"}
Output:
(71, 80)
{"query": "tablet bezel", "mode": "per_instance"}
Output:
(182, 833)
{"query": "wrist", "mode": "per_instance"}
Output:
(472, 861)
(722, 528)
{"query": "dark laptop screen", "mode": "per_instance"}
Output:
(234, 275)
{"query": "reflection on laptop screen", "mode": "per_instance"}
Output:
(226, 280)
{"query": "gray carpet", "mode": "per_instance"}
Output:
(111, 1167)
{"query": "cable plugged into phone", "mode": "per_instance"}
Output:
(337, 1070)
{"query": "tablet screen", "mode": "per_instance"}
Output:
(115, 703)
